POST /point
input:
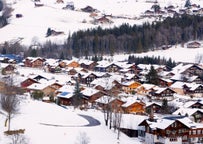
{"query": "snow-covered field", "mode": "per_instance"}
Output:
(35, 21)
(178, 54)
(68, 126)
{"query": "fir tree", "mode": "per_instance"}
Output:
(165, 107)
(77, 96)
(187, 3)
(152, 77)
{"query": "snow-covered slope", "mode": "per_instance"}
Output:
(35, 21)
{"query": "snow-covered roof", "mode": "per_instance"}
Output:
(37, 86)
(66, 88)
(131, 121)
(131, 100)
(105, 99)
(103, 64)
(165, 121)
(85, 61)
(186, 111)
(190, 103)
(65, 95)
(89, 91)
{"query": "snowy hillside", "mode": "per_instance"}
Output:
(35, 21)
(64, 126)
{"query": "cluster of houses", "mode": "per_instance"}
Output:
(123, 85)
(171, 10)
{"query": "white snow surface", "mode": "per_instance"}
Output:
(67, 125)
(35, 21)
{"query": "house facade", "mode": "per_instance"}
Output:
(171, 130)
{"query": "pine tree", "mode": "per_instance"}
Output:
(77, 96)
(165, 107)
(152, 77)
(187, 3)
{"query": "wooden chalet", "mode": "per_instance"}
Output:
(69, 63)
(91, 94)
(194, 44)
(65, 94)
(64, 98)
(194, 114)
(194, 90)
(130, 87)
(86, 78)
(191, 69)
(105, 66)
(134, 106)
(103, 20)
(7, 68)
(171, 129)
(153, 106)
(165, 82)
(88, 64)
(145, 89)
(162, 93)
(88, 9)
(27, 82)
(105, 101)
(194, 104)
(33, 62)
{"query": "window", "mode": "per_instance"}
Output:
(198, 132)
(173, 139)
(194, 132)
(185, 137)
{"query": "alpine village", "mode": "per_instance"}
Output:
(135, 100)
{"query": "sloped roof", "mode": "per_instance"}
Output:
(89, 91)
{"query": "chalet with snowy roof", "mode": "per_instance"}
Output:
(178, 87)
(88, 9)
(129, 124)
(131, 77)
(105, 66)
(69, 6)
(7, 68)
(165, 82)
(27, 82)
(145, 89)
(130, 86)
(86, 78)
(38, 4)
(194, 114)
(171, 129)
(105, 101)
(133, 105)
(103, 20)
(156, 107)
(34, 62)
(91, 94)
(159, 93)
(69, 63)
(193, 89)
(65, 94)
(192, 69)
(194, 104)
(194, 44)
(87, 64)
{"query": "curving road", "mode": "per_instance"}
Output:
(92, 122)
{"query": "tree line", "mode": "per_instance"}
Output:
(123, 39)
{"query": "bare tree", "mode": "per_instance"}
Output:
(117, 118)
(18, 139)
(83, 138)
(199, 58)
(9, 101)
(9, 104)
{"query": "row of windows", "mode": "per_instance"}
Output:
(194, 132)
